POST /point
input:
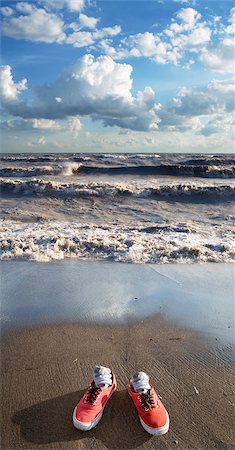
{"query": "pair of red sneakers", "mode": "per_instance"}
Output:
(152, 414)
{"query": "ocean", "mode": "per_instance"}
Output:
(134, 208)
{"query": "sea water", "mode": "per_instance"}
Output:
(134, 208)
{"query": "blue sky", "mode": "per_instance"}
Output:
(117, 76)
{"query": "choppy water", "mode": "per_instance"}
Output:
(131, 208)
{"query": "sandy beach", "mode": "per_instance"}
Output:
(117, 214)
(46, 370)
(47, 367)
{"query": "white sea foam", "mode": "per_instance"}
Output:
(156, 208)
(56, 240)
(54, 188)
(69, 168)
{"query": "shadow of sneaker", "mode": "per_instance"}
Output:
(51, 421)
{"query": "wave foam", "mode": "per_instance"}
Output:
(50, 241)
(93, 189)
(69, 168)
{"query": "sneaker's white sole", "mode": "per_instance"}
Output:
(156, 431)
(86, 426)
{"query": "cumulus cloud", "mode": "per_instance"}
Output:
(197, 108)
(80, 39)
(42, 140)
(43, 25)
(189, 17)
(72, 5)
(9, 90)
(100, 88)
(24, 7)
(43, 124)
(34, 25)
(74, 125)
(71, 125)
(186, 33)
(6, 11)
(219, 58)
(199, 36)
(88, 22)
(223, 124)
(30, 124)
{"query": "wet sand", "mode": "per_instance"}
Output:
(45, 371)
(200, 296)
(174, 322)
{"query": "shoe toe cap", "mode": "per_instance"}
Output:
(156, 419)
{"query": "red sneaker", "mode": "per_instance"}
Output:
(152, 414)
(89, 410)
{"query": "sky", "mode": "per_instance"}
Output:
(117, 76)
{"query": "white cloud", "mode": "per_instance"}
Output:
(232, 15)
(197, 37)
(148, 45)
(188, 17)
(230, 29)
(219, 58)
(107, 31)
(205, 110)
(88, 22)
(43, 124)
(185, 34)
(42, 140)
(40, 25)
(37, 25)
(197, 108)
(80, 39)
(188, 33)
(181, 1)
(219, 124)
(145, 45)
(100, 88)
(25, 8)
(74, 125)
(30, 125)
(58, 99)
(6, 11)
(9, 90)
(72, 5)
(226, 87)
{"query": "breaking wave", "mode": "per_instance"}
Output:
(41, 187)
(66, 169)
(75, 168)
(53, 241)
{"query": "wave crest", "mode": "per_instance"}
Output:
(53, 188)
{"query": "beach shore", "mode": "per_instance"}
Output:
(169, 321)
(45, 371)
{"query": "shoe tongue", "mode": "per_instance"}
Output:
(102, 376)
(140, 382)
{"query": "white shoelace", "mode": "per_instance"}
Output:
(102, 376)
(140, 382)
